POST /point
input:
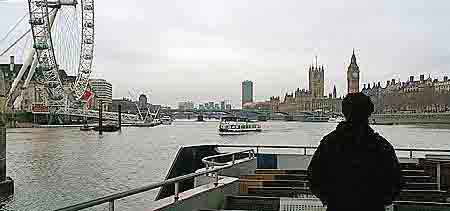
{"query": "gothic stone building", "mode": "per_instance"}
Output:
(412, 96)
(309, 100)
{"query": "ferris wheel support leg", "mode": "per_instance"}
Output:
(30, 74)
(53, 16)
(19, 99)
(28, 59)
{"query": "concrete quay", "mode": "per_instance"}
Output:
(412, 118)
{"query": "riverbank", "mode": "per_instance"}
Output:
(413, 118)
(381, 119)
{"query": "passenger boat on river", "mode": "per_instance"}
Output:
(237, 125)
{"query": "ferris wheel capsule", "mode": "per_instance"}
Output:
(87, 56)
(40, 45)
(89, 24)
(89, 41)
(89, 7)
(36, 21)
(40, 3)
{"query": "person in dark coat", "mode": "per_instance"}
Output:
(355, 168)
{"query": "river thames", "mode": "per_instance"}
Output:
(56, 167)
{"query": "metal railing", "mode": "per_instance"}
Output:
(212, 166)
(210, 163)
(112, 198)
(438, 162)
(305, 148)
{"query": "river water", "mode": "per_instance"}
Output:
(56, 167)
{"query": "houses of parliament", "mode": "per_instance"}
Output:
(314, 99)
(425, 95)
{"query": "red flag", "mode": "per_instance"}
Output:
(89, 103)
(87, 98)
(87, 95)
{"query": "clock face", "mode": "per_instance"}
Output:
(355, 75)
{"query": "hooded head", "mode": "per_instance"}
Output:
(357, 108)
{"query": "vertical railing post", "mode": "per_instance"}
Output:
(410, 153)
(120, 116)
(207, 168)
(216, 182)
(232, 159)
(304, 150)
(100, 117)
(111, 205)
(177, 189)
(257, 150)
(438, 175)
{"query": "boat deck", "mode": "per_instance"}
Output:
(278, 182)
(205, 178)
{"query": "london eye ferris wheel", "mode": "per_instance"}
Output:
(78, 28)
(59, 35)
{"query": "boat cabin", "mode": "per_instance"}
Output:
(234, 119)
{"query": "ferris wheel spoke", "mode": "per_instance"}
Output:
(68, 36)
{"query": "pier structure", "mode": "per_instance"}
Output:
(6, 183)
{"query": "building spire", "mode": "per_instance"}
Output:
(353, 60)
(316, 61)
(334, 92)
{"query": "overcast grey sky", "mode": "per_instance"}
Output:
(201, 50)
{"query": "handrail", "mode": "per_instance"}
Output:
(110, 199)
(208, 160)
(305, 148)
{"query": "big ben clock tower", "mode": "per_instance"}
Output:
(353, 75)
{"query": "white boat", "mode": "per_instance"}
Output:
(237, 126)
(336, 119)
(166, 120)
